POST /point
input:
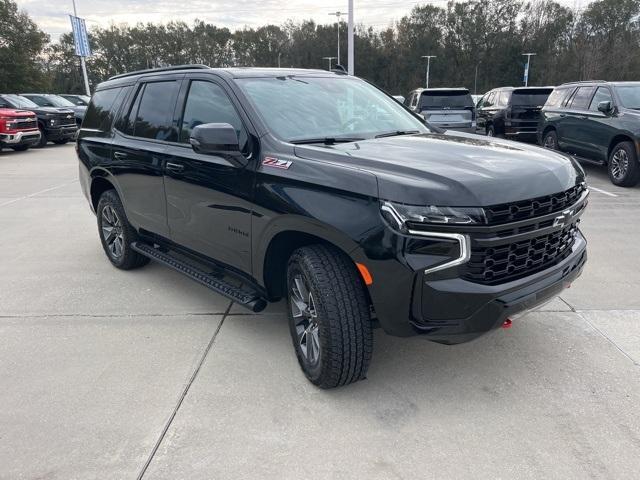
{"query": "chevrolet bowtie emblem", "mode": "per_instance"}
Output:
(561, 220)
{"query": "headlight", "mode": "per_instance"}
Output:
(399, 215)
(52, 121)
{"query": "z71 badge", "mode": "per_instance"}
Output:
(275, 163)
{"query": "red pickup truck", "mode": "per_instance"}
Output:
(18, 129)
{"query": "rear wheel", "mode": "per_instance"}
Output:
(550, 140)
(623, 166)
(116, 234)
(329, 316)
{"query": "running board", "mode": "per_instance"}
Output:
(248, 299)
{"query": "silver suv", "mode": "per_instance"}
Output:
(447, 108)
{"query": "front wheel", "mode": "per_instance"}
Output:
(623, 166)
(491, 132)
(329, 317)
(21, 148)
(43, 140)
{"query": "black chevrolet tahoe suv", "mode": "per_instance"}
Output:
(512, 112)
(57, 125)
(596, 121)
(317, 187)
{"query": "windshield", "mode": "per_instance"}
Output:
(80, 100)
(298, 108)
(530, 98)
(59, 101)
(443, 99)
(20, 102)
(630, 96)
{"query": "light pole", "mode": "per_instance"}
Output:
(338, 15)
(82, 62)
(351, 65)
(428, 57)
(329, 58)
(526, 69)
(279, 53)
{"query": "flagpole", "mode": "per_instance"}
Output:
(82, 62)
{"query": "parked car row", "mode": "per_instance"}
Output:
(56, 120)
(595, 121)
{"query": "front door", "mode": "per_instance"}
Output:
(209, 199)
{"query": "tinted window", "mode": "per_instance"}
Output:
(489, 99)
(581, 98)
(444, 99)
(102, 109)
(602, 95)
(630, 96)
(208, 103)
(556, 97)
(155, 113)
(18, 101)
(530, 97)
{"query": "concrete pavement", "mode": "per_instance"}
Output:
(121, 375)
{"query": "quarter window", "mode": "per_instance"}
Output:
(102, 108)
(208, 103)
(602, 95)
(556, 97)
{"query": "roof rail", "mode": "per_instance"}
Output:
(585, 81)
(161, 69)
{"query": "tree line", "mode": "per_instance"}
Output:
(478, 45)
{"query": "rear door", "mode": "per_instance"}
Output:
(487, 110)
(575, 120)
(140, 151)
(448, 109)
(208, 198)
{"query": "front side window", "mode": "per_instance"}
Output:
(629, 96)
(18, 101)
(602, 95)
(298, 108)
(208, 103)
(581, 98)
(154, 117)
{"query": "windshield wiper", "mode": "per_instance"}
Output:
(396, 133)
(326, 140)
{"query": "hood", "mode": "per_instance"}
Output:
(55, 110)
(454, 169)
(79, 110)
(9, 112)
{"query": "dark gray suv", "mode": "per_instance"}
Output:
(597, 121)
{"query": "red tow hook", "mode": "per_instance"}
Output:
(507, 323)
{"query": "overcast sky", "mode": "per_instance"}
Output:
(52, 15)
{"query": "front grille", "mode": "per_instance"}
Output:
(26, 123)
(510, 261)
(536, 207)
(65, 120)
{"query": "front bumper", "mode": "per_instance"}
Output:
(466, 310)
(466, 128)
(20, 138)
(64, 132)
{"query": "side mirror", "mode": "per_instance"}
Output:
(399, 98)
(217, 139)
(605, 107)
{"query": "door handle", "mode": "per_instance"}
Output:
(562, 115)
(175, 167)
(119, 155)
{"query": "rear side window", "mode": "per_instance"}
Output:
(582, 97)
(152, 113)
(102, 108)
(503, 99)
(602, 95)
(446, 99)
(530, 97)
(208, 103)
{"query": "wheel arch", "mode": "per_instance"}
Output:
(274, 253)
(621, 137)
(100, 183)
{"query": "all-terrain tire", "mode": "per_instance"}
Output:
(628, 176)
(342, 315)
(122, 255)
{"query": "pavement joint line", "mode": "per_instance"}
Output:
(24, 197)
(567, 304)
(604, 192)
(113, 315)
(183, 395)
(610, 340)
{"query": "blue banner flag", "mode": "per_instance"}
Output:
(80, 38)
